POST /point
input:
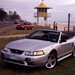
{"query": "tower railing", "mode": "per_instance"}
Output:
(37, 15)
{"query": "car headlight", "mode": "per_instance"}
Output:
(38, 53)
(34, 53)
(28, 53)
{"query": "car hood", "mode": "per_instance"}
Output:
(29, 44)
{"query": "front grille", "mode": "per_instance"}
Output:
(16, 51)
(14, 61)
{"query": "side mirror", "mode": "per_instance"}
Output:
(62, 40)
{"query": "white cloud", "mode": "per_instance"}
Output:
(59, 2)
(68, 1)
(18, 0)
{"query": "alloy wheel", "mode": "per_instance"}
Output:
(52, 60)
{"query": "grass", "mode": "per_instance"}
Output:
(65, 67)
(15, 31)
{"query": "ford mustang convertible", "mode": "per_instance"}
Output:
(40, 48)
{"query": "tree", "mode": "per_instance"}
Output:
(15, 16)
(3, 14)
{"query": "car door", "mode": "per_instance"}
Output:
(64, 47)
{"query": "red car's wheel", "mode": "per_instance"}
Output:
(25, 28)
(32, 28)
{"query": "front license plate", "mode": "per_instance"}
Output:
(13, 57)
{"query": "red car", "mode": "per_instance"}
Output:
(25, 26)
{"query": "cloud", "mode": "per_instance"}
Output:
(59, 2)
(18, 0)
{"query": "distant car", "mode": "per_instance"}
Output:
(15, 22)
(25, 26)
(41, 48)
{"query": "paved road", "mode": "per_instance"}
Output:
(8, 27)
(5, 24)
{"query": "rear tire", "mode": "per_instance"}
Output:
(32, 28)
(52, 61)
(73, 52)
(25, 28)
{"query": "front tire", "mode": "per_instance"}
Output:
(52, 61)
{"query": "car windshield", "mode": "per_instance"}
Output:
(45, 35)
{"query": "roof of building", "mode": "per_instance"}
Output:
(42, 5)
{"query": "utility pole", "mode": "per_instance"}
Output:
(69, 15)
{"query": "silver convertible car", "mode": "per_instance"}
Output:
(40, 48)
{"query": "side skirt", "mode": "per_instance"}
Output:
(64, 57)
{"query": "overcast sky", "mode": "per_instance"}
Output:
(25, 8)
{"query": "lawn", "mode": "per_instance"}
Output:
(65, 67)
(15, 31)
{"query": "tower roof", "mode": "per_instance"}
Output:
(42, 5)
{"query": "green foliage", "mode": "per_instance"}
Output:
(3, 14)
(65, 67)
(14, 16)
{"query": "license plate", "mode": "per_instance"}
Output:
(13, 57)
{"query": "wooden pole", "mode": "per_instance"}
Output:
(69, 22)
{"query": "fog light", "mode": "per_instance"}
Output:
(27, 59)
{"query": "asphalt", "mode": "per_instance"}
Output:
(7, 23)
(7, 28)
(3, 29)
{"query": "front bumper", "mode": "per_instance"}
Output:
(32, 61)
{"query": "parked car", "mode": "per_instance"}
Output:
(41, 48)
(25, 26)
